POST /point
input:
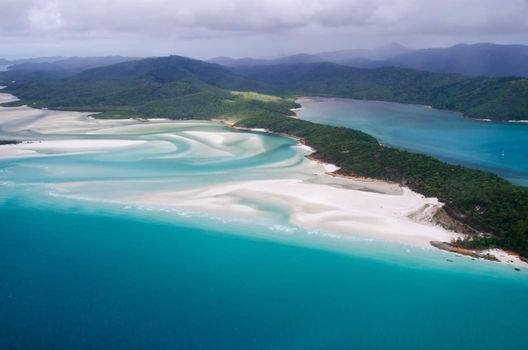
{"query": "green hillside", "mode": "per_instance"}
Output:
(172, 87)
(480, 97)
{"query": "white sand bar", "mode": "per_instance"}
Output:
(320, 206)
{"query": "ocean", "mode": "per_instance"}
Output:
(92, 279)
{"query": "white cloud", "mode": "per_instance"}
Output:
(45, 16)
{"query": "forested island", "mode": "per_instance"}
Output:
(180, 88)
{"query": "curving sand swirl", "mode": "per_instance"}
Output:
(206, 167)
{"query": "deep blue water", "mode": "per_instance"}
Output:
(501, 148)
(85, 280)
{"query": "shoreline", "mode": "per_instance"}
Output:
(462, 114)
(438, 217)
(496, 255)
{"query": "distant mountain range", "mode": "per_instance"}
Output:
(478, 59)
(339, 57)
(48, 59)
(482, 59)
(252, 62)
(70, 65)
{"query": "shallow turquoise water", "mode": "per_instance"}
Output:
(501, 148)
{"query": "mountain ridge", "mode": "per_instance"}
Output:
(481, 59)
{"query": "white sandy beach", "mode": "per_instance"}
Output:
(507, 258)
(319, 206)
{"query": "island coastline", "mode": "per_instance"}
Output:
(437, 217)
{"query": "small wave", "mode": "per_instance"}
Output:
(284, 229)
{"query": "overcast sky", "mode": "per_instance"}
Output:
(261, 28)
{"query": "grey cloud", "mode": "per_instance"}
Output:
(13, 15)
(257, 25)
(258, 15)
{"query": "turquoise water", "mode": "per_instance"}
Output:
(88, 261)
(501, 148)
(74, 279)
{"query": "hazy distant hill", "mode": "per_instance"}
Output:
(477, 59)
(235, 62)
(380, 53)
(363, 57)
(4, 61)
(70, 65)
(250, 62)
(44, 59)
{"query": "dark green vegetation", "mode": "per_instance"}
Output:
(173, 87)
(480, 97)
(8, 142)
(482, 200)
(177, 87)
